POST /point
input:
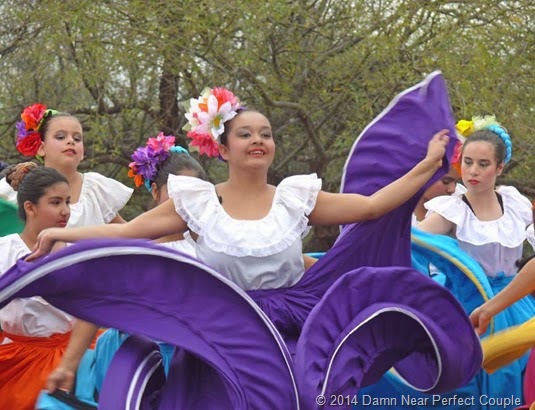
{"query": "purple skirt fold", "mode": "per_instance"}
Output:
(150, 290)
(134, 377)
(361, 328)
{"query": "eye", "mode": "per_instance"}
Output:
(78, 138)
(244, 134)
(266, 135)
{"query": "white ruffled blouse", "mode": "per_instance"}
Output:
(497, 244)
(255, 254)
(101, 198)
(29, 316)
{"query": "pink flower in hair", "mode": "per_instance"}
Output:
(161, 141)
(204, 143)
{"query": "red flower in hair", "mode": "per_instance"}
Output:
(29, 145)
(33, 115)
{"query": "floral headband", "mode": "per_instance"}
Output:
(206, 118)
(28, 135)
(488, 122)
(147, 159)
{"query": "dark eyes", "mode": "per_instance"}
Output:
(77, 138)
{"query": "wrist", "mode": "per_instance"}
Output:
(429, 164)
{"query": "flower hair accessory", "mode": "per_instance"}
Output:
(28, 135)
(456, 157)
(206, 118)
(147, 159)
(488, 122)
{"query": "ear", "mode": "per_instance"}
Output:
(499, 169)
(223, 151)
(30, 209)
(41, 151)
(154, 192)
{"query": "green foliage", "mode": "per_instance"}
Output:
(321, 70)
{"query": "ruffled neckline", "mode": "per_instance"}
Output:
(508, 230)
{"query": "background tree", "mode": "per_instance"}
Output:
(321, 70)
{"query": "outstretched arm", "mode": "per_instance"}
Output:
(338, 209)
(160, 221)
(522, 285)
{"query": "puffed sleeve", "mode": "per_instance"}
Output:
(195, 200)
(104, 195)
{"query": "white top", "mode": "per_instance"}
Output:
(101, 198)
(29, 316)
(459, 190)
(186, 245)
(256, 254)
(497, 244)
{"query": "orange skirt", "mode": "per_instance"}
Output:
(24, 367)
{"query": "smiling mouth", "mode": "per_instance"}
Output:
(257, 153)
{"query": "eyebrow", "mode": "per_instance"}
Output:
(59, 197)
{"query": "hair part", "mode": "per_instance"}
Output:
(494, 139)
(174, 164)
(31, 182)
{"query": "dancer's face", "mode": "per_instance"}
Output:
(52, 209)
(63, 143)
(479, 167)
(250, 141)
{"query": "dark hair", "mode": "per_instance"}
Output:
(174, 164)
(492, 138)
(43, 128)
(223, 138)
(31, 182)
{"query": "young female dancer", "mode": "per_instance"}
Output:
(58, 138)
(35, 334)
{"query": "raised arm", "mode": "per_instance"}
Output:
(522, 285)
(338, 209)
(160, 221)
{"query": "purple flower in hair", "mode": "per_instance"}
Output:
(22, 132)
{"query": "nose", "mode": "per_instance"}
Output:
(257, 138)
(66, 210)
(450, 188)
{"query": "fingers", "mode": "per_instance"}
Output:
(60, 379)
(33, 256)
